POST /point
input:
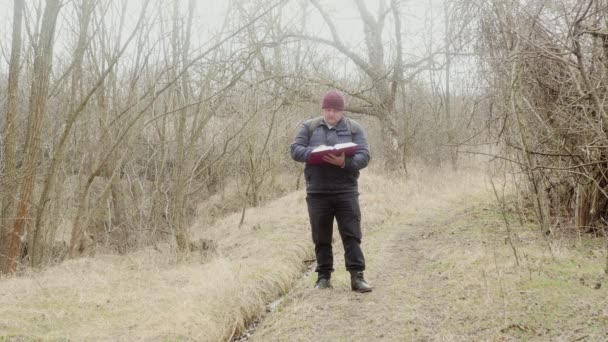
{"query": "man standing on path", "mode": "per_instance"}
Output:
(332, 189)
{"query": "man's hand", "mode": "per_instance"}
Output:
(335, 160)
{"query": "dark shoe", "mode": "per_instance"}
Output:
(358, 283)
(323, 283)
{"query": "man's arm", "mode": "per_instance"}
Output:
(362, 157)
(300, 149)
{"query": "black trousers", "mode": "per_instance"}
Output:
(322, 209)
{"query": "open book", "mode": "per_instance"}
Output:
(316, 156)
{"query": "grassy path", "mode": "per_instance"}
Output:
(442, 271)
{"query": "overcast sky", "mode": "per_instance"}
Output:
(210, 13)
(417, 17)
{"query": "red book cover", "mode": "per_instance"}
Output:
(316, 156)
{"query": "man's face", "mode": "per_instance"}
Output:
(332, 116)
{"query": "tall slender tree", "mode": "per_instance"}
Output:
(38, 101)
(9, 180)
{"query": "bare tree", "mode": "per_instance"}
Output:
(9, 179)
(378, 97)
(42, 233)
(38, 101)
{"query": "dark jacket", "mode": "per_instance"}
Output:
(327, 178)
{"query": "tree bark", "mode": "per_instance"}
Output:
(449, 124)
(9, 181)
(42, 236)
(182, 162)
(38, 101)
(391, 146)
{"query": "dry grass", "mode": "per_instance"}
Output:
(548, 296)
(230, 199)
(386, 203)
(442, 270)
(435, 250)
(152, 295)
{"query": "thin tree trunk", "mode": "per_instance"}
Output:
(8, 182)
(40, 237)
(534, 175)
(390, 141)
(119, 233)
(449, 125)
(182, 162)
(583, 206)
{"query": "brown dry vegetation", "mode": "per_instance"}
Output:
(436, 255)
(154, 294)
(547, 68)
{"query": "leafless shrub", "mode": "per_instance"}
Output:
(547, 72)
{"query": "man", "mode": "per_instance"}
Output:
(332, 189)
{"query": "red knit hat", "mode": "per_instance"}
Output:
(333, 100)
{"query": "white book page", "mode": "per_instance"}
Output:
(343, 145)
(322, 148)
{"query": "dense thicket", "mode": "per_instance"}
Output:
(547, 66)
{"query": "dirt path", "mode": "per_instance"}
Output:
(436, 255)
(398, 264)
(441, 271)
